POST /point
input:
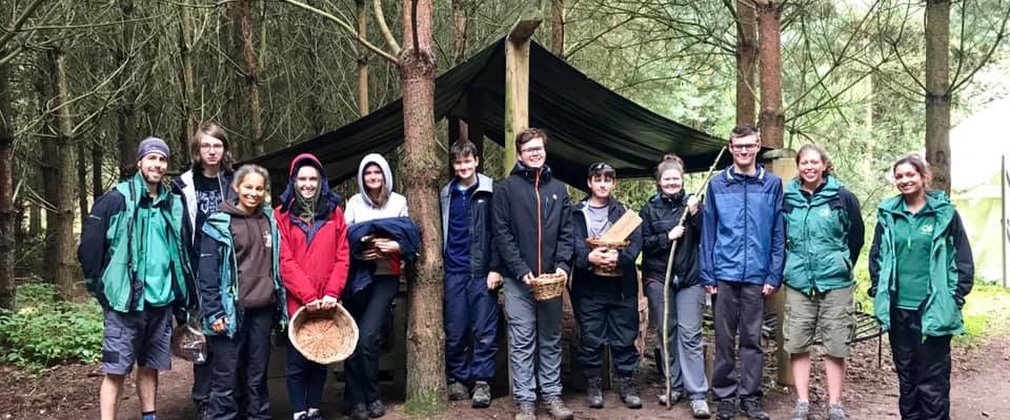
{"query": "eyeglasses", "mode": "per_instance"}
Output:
(208, 146)
(532, 150)
(600, 166)
(740, 147)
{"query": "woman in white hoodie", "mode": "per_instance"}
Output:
(369, 306)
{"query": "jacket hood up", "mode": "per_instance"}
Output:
(387, 174)
(328, 199)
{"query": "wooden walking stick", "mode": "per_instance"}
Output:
(666, 286)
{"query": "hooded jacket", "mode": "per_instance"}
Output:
(185, 187)
(109, 247)
(314, 258)
(400, 229)
(218, 278)
(584, 281)
(824, 234)
(533, 223)
(483, 254)
(659, 215)
(951, 267)
(360, 207)
(743, 232)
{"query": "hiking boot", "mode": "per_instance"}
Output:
(376, 409)
(594, 392)
(727, 409)
(699, 409)
(836, 412)
(314, 414)
(481, 395)
(526, 410)
(751, 408)
(457, 391)
(629, 392)
(676, 397)
(801, 411)
(557, 408)
(359, 412)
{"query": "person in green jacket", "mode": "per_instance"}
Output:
(824, 234)
(921, 269)
(132, 254)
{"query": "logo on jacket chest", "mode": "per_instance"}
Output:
(926, 229)
(267, 239)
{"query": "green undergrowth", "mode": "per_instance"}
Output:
(44, 331)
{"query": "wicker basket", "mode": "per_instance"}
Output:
(594, 243)
(548, 286)
(324, 336)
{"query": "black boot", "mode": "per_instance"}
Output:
(629, 392)
(594, 392)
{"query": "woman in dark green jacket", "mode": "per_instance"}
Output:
(824, 234)
(921, 269)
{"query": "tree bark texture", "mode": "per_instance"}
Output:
(191, 119)
(82, 181)
(127, 136)
(746, 62)
(425, 336)
(772, 120)
(460, 20)
(362, 14)
(7, 212)
(938, 95)
(60, 230)
(250, 81)
(558, 28)
(97, 186)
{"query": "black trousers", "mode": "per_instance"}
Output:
(739, 307)
(250, 345)
(609, 320)
(369, 309)
(923, 367)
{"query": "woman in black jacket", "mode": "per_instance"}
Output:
(660, 227)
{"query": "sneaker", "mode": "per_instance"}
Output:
(314, 414)
(526, 410)
(727, 409)
(801, 411)
(629, 392)
(376, 409)
(751, 408)
(457, 391)
(481, 395)
(557, 408)
(594, 392)
(359, 412)
(836, 412)
(699, 409)
(676, 397)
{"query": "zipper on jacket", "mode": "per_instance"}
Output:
(536, 192)
(745, 235)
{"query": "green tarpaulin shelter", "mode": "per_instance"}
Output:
(586, 121)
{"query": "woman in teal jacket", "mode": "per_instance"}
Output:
(241, 295)
(921, 269)
(824, 234)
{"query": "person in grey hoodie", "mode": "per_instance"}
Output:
(369, 306)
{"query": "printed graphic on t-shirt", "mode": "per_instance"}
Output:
(207, 201)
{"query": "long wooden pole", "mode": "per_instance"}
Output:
(666, 286)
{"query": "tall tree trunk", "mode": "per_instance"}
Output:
(938, 93)
(746, 62)
(362, 15)
(82, 181)
(251, 75)
(7, 213)
(772, 121)
(60, 232)
(190, 119)
(558, 28)
(97, 186)
(426, 386)
(127, 135)
(460, 20)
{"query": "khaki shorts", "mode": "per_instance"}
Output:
(828, 317)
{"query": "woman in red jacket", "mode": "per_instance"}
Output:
(314, 259)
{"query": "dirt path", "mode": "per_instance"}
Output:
(980, 389)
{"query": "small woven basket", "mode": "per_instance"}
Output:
(324, 336)
(594, 243)
(548, 286)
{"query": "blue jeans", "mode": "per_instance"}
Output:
(471, 313)
(687, 307)
(534, 342)
(305, 380)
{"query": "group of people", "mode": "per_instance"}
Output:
(207, 250)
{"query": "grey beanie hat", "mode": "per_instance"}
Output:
(152, 145)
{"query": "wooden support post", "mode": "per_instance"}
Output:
(457, 130)
(517, 81)
(781, 162)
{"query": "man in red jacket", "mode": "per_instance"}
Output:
(314, 260)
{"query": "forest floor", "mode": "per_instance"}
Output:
(980, 389)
